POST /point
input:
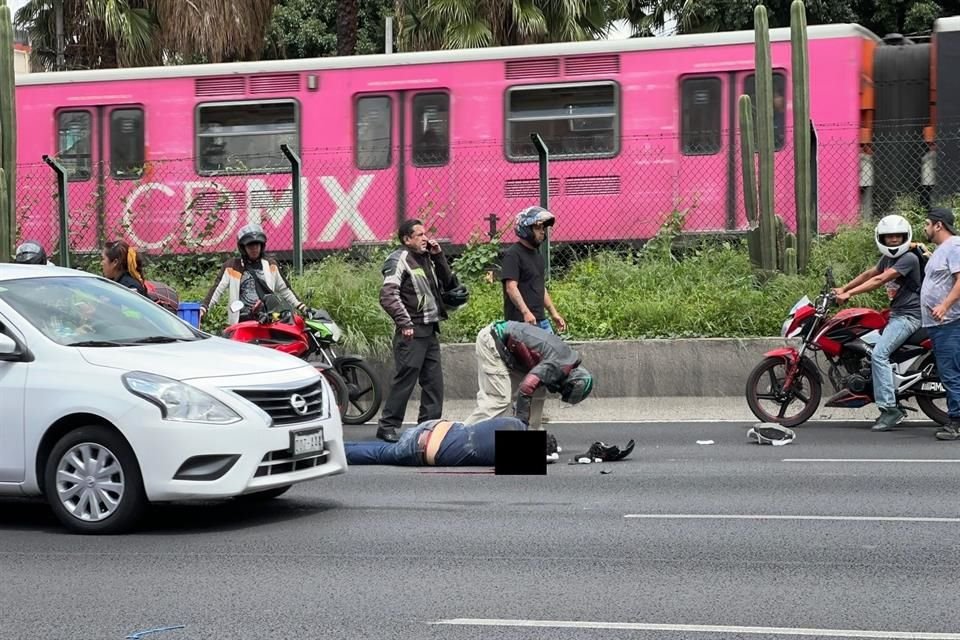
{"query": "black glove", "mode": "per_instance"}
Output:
(606, 452)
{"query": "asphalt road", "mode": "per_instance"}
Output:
(723, 540)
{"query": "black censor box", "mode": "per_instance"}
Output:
(520, 453)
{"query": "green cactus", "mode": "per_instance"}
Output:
(764, 85)
(806, 223)
(790, 261)
(8, 132)
(747, 151)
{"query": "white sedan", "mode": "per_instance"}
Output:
(110, 402)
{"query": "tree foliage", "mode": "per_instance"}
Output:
(699, 16)
(457, 24)
(102, 34)
(308, 28)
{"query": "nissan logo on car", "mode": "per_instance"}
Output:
(299, 404)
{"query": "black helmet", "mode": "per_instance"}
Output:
(31, 252)
(250, 234)
(456, 297)
(577, 386)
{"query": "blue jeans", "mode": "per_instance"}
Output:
(464, 445)
(545, 325)
(898, 329)
(946, 349)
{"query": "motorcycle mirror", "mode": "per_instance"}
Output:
(831, 283)
(236, 306)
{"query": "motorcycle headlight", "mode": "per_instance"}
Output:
(178, 401)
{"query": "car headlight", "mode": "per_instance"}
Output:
(178, 401)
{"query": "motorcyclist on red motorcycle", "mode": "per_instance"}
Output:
(249, 278)
(899, 271)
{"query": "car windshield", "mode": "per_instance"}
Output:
(91, 311)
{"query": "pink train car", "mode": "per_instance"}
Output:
(178, 158)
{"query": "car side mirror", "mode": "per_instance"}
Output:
(8, 348)
(236, 306)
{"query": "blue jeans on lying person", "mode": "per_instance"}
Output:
(464, 445)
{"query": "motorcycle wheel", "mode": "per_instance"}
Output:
(365, 394)
(765, 382)
(928, 404)
(341, 393)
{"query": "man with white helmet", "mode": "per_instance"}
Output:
(899, 271)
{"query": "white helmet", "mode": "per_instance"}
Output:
(893, 225)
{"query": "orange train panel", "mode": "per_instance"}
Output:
(867, 94)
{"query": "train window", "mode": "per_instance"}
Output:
(245, 137)
(700, 116)
(431, 129)
(73, 143)
(575, 121)
(779, 105)
(126, 143)
(374, 132)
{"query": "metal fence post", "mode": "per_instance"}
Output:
(297, 208)
(63, 210)
(544, 162)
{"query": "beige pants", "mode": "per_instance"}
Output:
(499, 386)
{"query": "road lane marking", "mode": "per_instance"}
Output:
(911, 460)
(698, 628)
(733, 516)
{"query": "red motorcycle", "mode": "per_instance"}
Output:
(789, 377)
(280, 328)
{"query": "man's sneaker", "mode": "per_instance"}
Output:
(950, 431)
(553, 451)
(889, 418)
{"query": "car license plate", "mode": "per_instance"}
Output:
(306, 443)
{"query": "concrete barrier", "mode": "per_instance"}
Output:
(708, 367)
(684, 381)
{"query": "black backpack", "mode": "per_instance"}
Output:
(923, 257)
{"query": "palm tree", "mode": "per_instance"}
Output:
(457, 24)
(347, 25)
(213, 30)
(98, 33)
(123, 33)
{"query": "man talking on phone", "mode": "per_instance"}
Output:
(414, 278)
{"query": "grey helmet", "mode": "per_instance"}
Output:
(30, 252)
(250, 234)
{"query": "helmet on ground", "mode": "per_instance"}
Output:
(251, 234)
(893, 225)
(577, 386)
(30, 252)
(771, 433)
(456, 297)
(529, 217)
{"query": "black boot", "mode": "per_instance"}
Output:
(388, 434)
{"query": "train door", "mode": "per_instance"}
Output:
(706, 113)
(402, 149)
(783, 196)
(99, 146)
(710, 162)
(426, 172)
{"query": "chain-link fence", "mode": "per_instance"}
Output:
(612, 196)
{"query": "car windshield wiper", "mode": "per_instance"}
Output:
(95, 343)
(158, 340)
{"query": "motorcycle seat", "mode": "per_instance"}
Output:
(918, 337)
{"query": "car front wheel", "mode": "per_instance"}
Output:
(93, 483)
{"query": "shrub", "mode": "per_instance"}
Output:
(706, 290)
